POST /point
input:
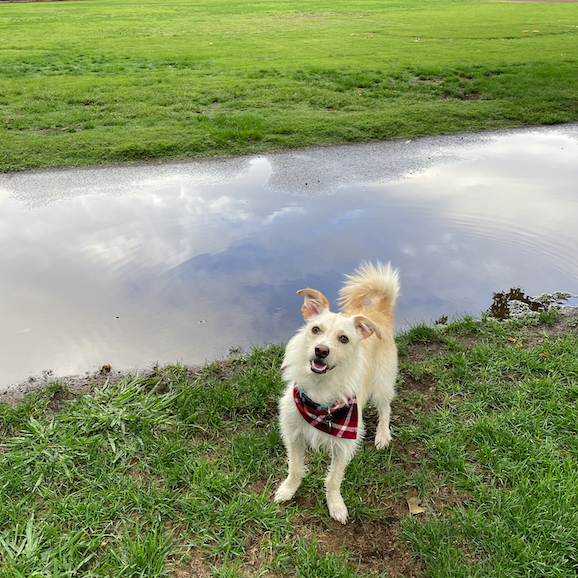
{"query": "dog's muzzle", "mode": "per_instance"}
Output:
(318, 363)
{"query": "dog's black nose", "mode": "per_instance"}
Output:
(322, 351)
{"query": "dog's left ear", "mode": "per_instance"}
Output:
(315, 303)
(365, 327)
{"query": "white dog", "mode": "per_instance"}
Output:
(332, 366)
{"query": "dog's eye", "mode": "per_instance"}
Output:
(344, 339)
(316, 329)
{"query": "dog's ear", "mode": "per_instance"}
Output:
(314, 304)
(365, 327)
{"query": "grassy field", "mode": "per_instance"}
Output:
(93, 82)
(173, 473)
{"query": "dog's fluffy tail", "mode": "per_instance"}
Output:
(371, 285)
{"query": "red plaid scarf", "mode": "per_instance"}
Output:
(339, 419)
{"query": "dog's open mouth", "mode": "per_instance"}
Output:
(319, 366)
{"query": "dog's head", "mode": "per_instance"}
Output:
(331, 338)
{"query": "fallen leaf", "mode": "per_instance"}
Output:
(518, 344)
(535, 31)
(511, 339)
(544, 354)
(414, 507)
(525, 31)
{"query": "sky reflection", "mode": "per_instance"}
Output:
(180, 262)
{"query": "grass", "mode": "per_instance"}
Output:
(92, 82)
(172, 473)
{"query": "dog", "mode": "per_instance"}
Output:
(333, 366)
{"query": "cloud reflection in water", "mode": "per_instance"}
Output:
(180, 262)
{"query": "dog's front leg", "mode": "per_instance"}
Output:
(296, 459)
(339, 460)
(383, 433)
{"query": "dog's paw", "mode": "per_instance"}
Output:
(337, 509)
(285, 491)
(382, 438)
(380, 444)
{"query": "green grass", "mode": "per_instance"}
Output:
(173, 473)
(91, 82)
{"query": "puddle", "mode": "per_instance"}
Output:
(181, 262)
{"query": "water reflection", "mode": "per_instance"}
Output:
(180, 262)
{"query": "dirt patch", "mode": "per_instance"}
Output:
(58, 400)
(567, 325)
(75, 384)
(376, 546)
(196, 567)
(424, 385)
(84, 384)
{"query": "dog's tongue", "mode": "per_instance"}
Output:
(319, 364)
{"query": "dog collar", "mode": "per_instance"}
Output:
(338, 419)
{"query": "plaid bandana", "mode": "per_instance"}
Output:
(339, 419)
